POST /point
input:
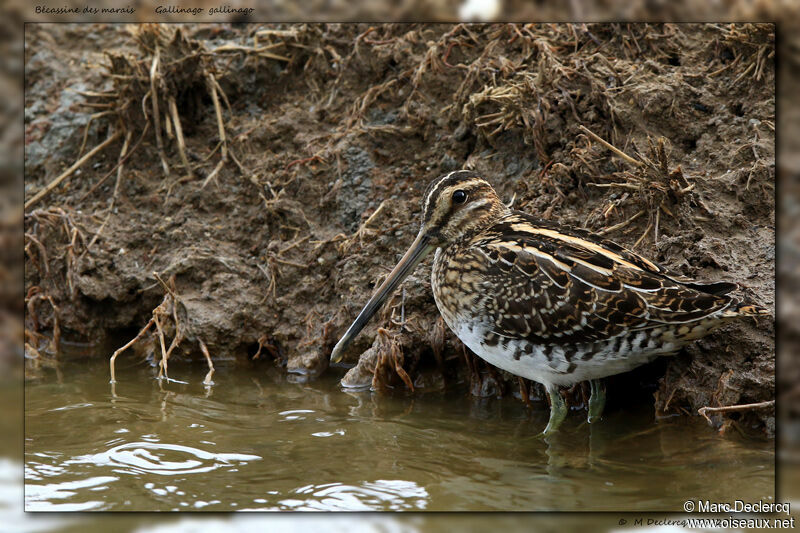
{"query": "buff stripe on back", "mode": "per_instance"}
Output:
(617, 258)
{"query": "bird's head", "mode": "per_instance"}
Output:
(457, 205)
(454, 206)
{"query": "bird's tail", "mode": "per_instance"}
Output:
(740, 308)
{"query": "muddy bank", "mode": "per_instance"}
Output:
(276, 177)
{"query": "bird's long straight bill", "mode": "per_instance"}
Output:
(416, 253)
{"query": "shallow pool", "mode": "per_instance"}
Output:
(255, 440)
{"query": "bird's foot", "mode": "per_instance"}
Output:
(558, 412)
(597, 401)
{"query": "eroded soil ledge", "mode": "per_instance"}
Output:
(277, 178)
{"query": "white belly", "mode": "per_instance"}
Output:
(552, 364)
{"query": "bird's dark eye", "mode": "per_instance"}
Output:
(459, 197)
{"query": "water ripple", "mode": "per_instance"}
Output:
(382, 494)
(162, 459)
(73, 406)
(295, 414)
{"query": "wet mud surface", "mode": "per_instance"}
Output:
(259, 222)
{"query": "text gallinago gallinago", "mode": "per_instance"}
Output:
(545, 302)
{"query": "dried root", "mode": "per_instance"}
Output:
(168, 319)
(389, 358)
(703, 411)
(264, 342)
(323, 337)
(130, 343)
(471, 360)
(46, 262)
(272, 269)
(524, 393)
(32, 298)
(203, 348)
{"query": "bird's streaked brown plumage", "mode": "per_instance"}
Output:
(546, 302)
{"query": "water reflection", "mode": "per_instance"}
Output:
(261, 443)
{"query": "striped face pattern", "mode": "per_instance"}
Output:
(458, 205)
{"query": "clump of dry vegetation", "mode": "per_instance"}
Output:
(152, 92)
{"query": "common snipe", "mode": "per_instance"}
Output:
(545, 302)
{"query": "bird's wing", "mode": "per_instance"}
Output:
(553, 285)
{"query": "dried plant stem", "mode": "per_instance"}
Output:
(154, 102)
(364, 228)
(221, 93)
(176, 120)
(621, 224)
(133, 341)
(728, 408)
(621, 185)
(123, 156)
(212, 87)
(611, 147)
(262, 51)
(655, 229)
(42, 251)
(162, 366)
(120, 162)
(203, 348)
(78, 164)
(120, 167)
(277, 33)
(640, 239)
(86, 129)
(726, 67)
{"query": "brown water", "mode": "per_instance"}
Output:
(255, 440)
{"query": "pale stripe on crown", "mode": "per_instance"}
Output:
(439, 188)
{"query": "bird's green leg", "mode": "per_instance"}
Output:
(558, 411)
(597, 400)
